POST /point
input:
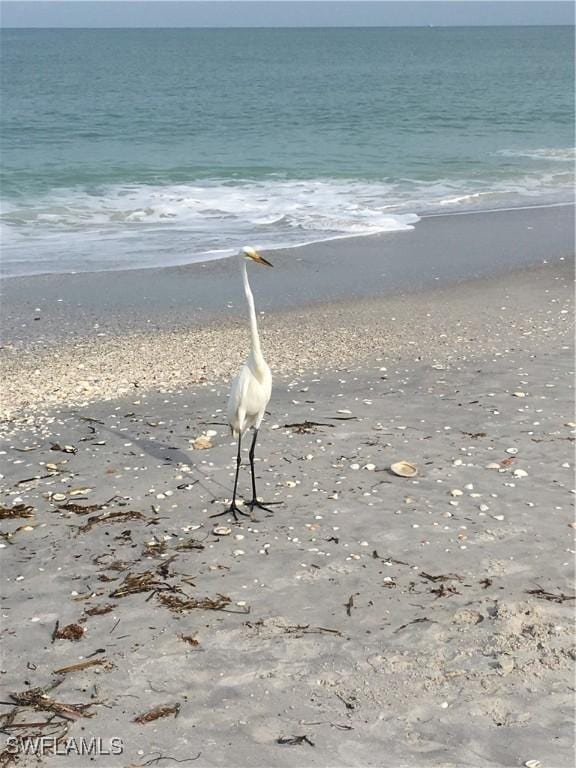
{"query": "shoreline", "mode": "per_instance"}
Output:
(444, 249)
(210, 256)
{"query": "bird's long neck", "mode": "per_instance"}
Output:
(256, 351)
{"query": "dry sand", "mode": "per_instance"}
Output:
(371, 620)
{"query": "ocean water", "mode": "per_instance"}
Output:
(138, 148)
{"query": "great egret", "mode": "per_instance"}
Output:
(250, 391)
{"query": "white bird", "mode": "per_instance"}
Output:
(251, 389)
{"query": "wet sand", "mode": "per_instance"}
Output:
(441, 250)
(429, 620)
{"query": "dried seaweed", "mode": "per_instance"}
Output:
(157, 713)
(441, 577)
(190, 639)
(38, 699)
(295, 740)
(190, 543)
(159, 757)
(299, 629)
(69, 632)
(17, 511)
(111, 517)
(348, 703)
(99, 610)
(9, 757)
(155, 548)
(542, 594)
(147, 581)
(178, 603)
(349, 605)
(414, 621)
(445, 591)
(306, 427)
(107, 665)
(80, 509)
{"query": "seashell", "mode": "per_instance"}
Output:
(533, 764)
(505, 664)
(404, 469)
(518, 394)
(201, 443)
(222, 530)
(493, 465)
(59, 496)
(456, 492)
(79, 491)
(520, 473)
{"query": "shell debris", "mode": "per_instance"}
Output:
(404, 469)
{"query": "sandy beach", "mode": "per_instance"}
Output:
(371, 618)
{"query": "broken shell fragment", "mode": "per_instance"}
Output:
(404, 469)
(202, 442)
(79, 491)
(222, 530)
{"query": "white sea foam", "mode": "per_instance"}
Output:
(132, 226)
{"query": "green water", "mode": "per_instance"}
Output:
(129, 148)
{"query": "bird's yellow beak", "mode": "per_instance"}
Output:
(261, 260)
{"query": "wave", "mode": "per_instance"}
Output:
(565, 154)
(138, 225)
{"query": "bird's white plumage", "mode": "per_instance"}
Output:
(251, 389)
(249, 396)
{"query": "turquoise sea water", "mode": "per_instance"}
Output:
(130, 148)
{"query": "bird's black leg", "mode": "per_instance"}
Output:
(233, 509)
(254, 502)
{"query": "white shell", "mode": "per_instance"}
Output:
(222, 530)
(404, 469)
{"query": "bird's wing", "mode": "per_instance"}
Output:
(237, 398)
(248, 400)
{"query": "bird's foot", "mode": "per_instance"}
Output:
(254, 503)
(233, 510)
